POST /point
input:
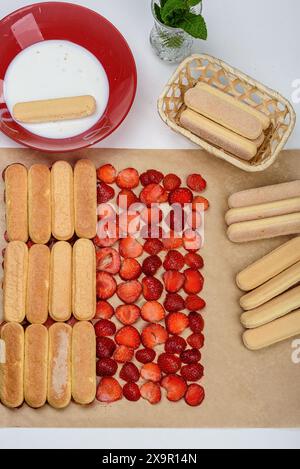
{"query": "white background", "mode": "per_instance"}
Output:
(261, 38)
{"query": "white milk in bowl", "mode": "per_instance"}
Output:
(56, 69)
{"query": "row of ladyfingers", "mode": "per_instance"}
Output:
(40, 201)
(224, 121)
(264, 212)
(272, 302)
(52, 365)
(60, 282)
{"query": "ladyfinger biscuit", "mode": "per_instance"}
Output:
(257, 212)
(59, 365)
(16, 202)
(223, 109)
(274, 332)
(39, 203)
(84, 280)
(60, 295)
(85, 199)
(274, 287)
(218, 135)
(253, 230)
(83, 363)
(62, 200)
(36, 365)
(37, 298)
(12, 371)
(52, 110)
(270, 265)
(15, 281)
(273, 309)
(266, 194)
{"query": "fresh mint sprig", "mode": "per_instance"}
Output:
(178, 14)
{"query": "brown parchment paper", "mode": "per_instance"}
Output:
(243, 388)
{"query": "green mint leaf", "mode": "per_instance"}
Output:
(157, 12)
(173, 11)
(193, 3)
(194, 25)
(162, 3)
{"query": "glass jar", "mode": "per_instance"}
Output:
(171, 44)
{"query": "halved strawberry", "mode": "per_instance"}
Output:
(131, 392)
(196, 322)
(174, 260)
(181, 196)
(130, 269)
(104, 192)
(104, 328)
(195, 395)
(152, 288)
(151, 392)
(169, 363)
(174, 302)
(123, 354)
(145, 355)
(175, 386)
(129, 336)
(175, 344)
(192, 240)
(104, 310)
(172, 241)
(151, 264)
(129, 223)
(130, 248)
(194, 260)
(109, 390)
(130, 291)
(128, 178)
(108, 260)
(152, 193)
(153, 246)
(193, 281)
(196, 182)
(200, 203)
(196, 340)
(151, 372)
(190, 356)
(194, 303)
(128, 314)
(106, 367)
(129, 372)
(173, 281)
(176, 322)
(152, 311)
(106, 285)
(151, 176)
(153, 334)
(192, 372)
(107, 173)
(105, 347)
(171, 182)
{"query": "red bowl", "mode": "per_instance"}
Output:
(59, 20)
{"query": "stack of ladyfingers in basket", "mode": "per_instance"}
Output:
(49, 270)
(224, 121)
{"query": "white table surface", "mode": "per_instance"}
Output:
(261, 38)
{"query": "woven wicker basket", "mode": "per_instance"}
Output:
(217, 73)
